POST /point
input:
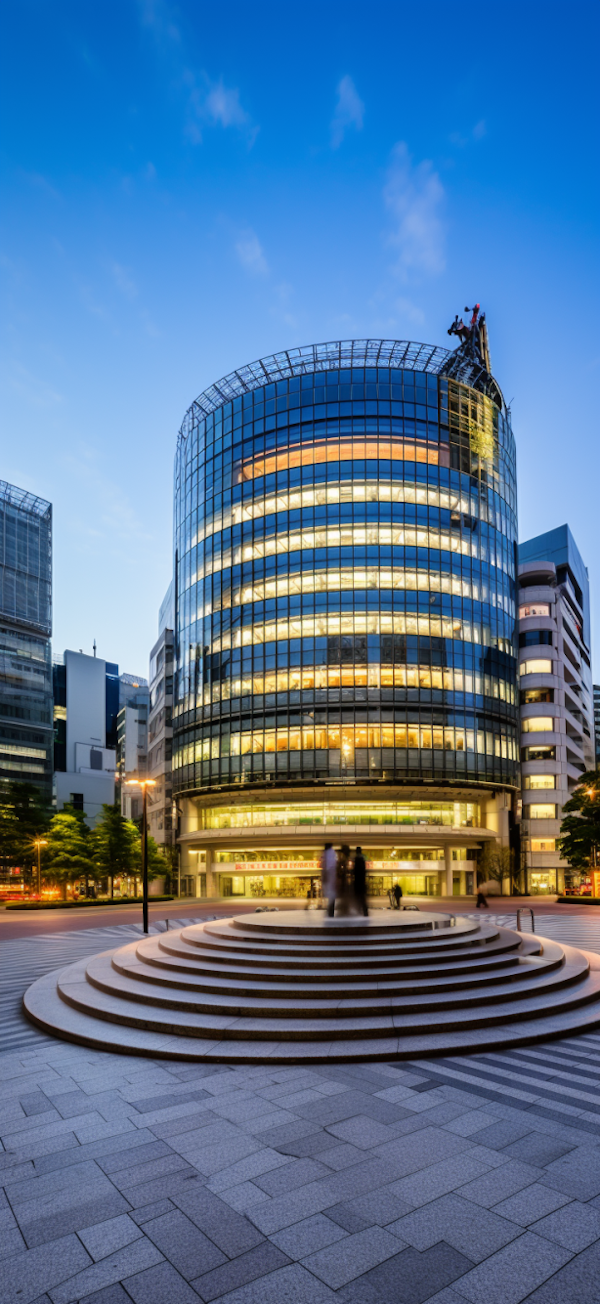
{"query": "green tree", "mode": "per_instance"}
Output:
(68, 855)
(579, 841)
(115, 845)
(496, 864)
(158, 865)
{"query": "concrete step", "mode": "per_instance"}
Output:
(193, 995)
(421, 1015)
(41, 1004)
(134, 980)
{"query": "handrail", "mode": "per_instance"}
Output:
(525, 910)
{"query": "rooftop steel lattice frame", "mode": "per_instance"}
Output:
(337, 355)
(23, 500)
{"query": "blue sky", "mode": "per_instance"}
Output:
(188, 187)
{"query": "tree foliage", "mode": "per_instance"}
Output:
(68, 854)
(115, 844)
(579, 841)
(496, 864)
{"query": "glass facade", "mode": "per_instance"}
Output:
(26, 725)
(345, 576)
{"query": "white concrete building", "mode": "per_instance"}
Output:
(84, 765)
(557, 722)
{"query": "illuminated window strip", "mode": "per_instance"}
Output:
(347, 740)
(333, 450)
(16, 749)
(321, 495)
(448, 679)
(331, 580)
(258, 816)
(375, 622)
(355, 536)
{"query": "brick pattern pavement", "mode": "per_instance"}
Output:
(470, 1179)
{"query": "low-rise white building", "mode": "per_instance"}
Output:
(557, 722)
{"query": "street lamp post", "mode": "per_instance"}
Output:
(38, 844)
(144, 784)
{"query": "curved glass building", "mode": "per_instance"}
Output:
(345, 662)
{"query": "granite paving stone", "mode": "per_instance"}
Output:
(183, 1244)
(408, 1278)
(253, 1166)
(232, 1232)
(537, 1149)
(160, 1285)
(504, 1131)
(438, 1179)
(308, 1235)
(511, 1274)
(472, 1122)
(40, 1227)
(500, 1183)
(361, 1131)
(428, 1146)
(116, 1160)
(451, 1219)
(577, 1283)
(131, 1258)
(244, 1196)
(530, 1204)
(11, 1241)
(575, 1226)
(347, 1218)
(289, 1285)
(287, 1178)
(107, 1295)
(148, 1211)
(105, 1238)
(306, 1146)
(577, 1174)
(377, 1208)
(34, 1271)
(339, 1155)
(344, 1260)
(245, 1268)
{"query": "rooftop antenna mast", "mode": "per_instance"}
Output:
(94, 646)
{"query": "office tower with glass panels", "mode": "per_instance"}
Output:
(344, 589)
(26, 724)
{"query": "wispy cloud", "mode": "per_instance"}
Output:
(409, 311)
(215, 105)
(157, 15)
(476, 133)
(251, 254)
(414, 196)
(222, 104)
(349, 111)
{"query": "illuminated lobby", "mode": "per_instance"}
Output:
(345, 660)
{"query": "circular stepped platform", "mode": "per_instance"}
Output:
(301, 987)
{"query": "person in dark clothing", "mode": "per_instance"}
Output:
(481, 901)
(397, 895)
(360, 880)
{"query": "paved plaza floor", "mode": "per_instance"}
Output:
(474, 1178)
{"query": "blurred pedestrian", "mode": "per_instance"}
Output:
(360, 881)
(397, 895)
(481, 901)
(329, 877)
(343, 878)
